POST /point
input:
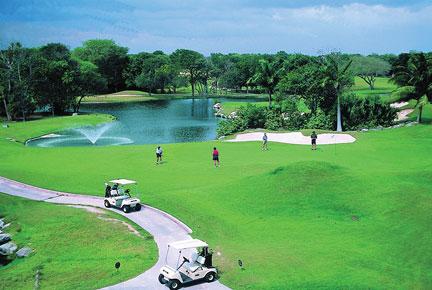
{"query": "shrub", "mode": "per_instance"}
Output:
(365, 113)
(254, 116)
(228, 127)
(319, 121)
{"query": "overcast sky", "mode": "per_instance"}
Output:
(207, 26)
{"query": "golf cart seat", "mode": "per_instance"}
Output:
(195, 265)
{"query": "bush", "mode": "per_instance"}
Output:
(254, 116)
(319, 121)
(366, 113)
(228, 127)
(274, 120)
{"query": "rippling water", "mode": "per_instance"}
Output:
(154, 122)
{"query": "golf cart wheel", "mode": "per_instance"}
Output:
(125, 209)
(210, 277)
(138, 208)
(174, 284)
(107, 204)
(161, 279)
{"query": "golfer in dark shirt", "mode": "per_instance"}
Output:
(314, 137)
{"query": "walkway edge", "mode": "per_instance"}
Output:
(58, 193)
(174, 219)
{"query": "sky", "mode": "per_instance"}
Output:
(243, 26)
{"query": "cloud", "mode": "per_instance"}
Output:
(225, 26)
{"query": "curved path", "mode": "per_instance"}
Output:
(162, 226)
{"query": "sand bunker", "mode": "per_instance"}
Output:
(295, 138)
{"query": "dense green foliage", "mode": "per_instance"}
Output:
(53, 78)
(413, 72)
(72, 248)
(345, 216)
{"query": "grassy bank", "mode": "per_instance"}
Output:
(344, 216)
(73, 248)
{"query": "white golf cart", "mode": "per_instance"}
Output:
(117, 194)
(197, 265)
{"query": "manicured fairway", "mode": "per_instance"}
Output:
(347, 216)
(383, 88)
(73, 248)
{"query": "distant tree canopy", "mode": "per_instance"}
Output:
(370, 67)
(110, 58)
(56, 79)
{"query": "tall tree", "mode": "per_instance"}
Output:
(191, 62)
(110, 58)
(268, 75)
(17, 77)
(337, 78)
(89, 82)
(413, 72)
(57, 76)
(369, 67)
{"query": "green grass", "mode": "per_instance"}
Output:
(21, 131)
(73, 248)
(345, 216)
(229, 107)
(182, 93)
(383, 88)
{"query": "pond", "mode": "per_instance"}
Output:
(152, 122)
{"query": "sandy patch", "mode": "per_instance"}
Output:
(403, 115)
(398, 105)
(100, 212)
(89, 208)
(295, 138)
(130, 228)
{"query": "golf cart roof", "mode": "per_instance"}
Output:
(188, 244)
(123, 181)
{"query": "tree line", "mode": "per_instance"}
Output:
(56, 79)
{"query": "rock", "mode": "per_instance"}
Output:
(217, 106)
(2, 223)
(8, 249)
(5, 126)
(24, 252)
(4, 238)
(75, 114)
(222, 137)
(364, 130)
(232, 115)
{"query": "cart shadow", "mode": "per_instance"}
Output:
(192, 283)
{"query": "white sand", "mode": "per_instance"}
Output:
(295, 138)
(398, 105)
(403, 115)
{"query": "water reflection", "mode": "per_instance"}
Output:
(154, 122)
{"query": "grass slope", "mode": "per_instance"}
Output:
(383, 88)
(346, 216)
(73, 248)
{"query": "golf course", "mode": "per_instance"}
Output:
(215, 145)
(345, 216)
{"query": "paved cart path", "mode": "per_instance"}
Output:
(163, 227)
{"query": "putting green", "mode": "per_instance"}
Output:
(344, 216)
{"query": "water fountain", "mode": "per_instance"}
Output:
(94, 136)
(95, 132)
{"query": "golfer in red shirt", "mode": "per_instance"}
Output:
(216, 157)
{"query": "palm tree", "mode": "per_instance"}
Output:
(268, 75)
(338, 78)
(414, 75)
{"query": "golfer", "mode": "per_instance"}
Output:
(264, 144)
(159, 155)
(314, 137)
(216, 157)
